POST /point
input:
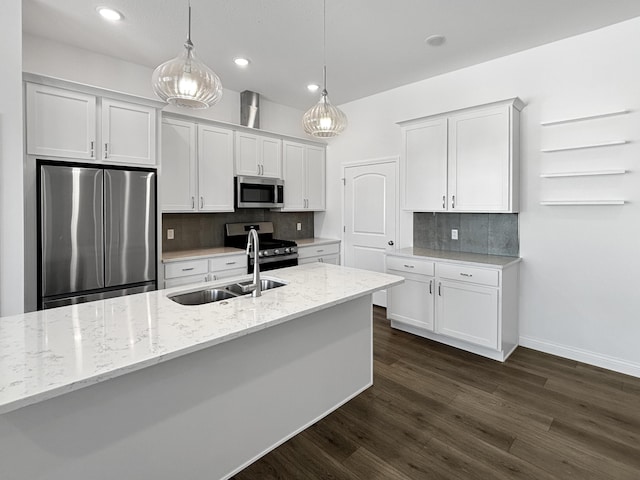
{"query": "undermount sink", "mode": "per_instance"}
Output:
(202, 296)
(265, 284)
(224, 292)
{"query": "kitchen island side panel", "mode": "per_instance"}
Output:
(204, 415)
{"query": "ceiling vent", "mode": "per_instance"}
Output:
(250, 109)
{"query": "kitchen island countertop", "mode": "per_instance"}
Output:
(49, 353)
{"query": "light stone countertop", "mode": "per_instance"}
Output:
(457, 257)
(309, 242)
(196, 254)
(51, 352)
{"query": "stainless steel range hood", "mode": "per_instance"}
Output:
(250, 109)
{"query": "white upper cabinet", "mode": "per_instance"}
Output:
(60, 123)
(128, 132)
(464, 161)
(425, 166)
(63, 123)
(179, 166)
(304, 177)
(197, 167)
(258, 155)
(215, 169)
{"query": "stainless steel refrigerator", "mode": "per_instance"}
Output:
(97, 232)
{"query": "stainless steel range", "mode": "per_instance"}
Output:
(274, 253)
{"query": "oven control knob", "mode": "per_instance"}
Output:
(261, 253)
(287, 250)
(276, 252)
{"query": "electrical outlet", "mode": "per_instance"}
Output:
(299, 226)
(170, 234)
(454, 234)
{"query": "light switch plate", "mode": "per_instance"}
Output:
(299, 226)
(454, 234)
(170, 234)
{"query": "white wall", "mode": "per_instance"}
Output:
(580, 288)
(11, 160)
(55, 59)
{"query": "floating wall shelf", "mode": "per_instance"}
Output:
(579, 119)
(591, 145)
(583, 202)
(583, 174)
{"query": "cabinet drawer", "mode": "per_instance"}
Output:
(227, 263)
(319, 251)
(178, 281)
(469, 274)
(410, 265)
(185, 269)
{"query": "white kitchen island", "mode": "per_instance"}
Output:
(141, 387)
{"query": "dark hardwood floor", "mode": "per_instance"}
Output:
(436, 412)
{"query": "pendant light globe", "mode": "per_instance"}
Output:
(323, 119)
(185, 81)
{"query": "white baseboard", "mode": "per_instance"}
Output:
(585, 356)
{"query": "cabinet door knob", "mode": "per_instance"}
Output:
(390, 242)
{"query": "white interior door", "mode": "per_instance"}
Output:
(370, 206)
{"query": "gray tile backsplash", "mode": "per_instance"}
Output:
(206, 230)
(488, 233)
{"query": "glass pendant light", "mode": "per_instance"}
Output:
(185, 81)
(323, 119)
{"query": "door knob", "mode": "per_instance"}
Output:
(390, 242)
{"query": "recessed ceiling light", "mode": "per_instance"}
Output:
(313, 87)
(435, 40)
(110, 14)
(241, 62)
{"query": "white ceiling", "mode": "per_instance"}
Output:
(372, 45)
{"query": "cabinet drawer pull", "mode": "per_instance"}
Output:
(230, 263)
(320, 251)
(188, 269)
(466, 274)
(409, 266)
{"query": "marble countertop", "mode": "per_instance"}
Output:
(457, 257)
(51, 352)
(196, 254)
(307, 242)
(181, 255)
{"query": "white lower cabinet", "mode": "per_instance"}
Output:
(469, 307)
(412, 302)
(326, 253)
(186, 272)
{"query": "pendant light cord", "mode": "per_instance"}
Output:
(189, 30)
(324, 46)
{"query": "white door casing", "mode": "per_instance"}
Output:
(370, 216)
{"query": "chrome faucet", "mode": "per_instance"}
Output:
(256, 287)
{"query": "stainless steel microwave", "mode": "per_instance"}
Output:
(259, 192)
